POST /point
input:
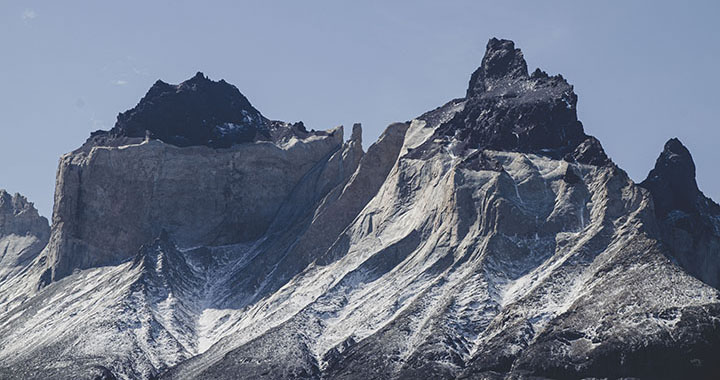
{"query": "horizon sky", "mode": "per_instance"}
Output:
(644, 71)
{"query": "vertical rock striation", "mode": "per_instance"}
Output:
(120, 189)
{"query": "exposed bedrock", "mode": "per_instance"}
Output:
(23, 233)
(119, 191)
(689, 221)
(490, 238)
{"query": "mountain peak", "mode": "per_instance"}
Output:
(501, 61)
(507, 110)
(672, 180)
(198, 111)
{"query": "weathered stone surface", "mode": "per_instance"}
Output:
(23, 233)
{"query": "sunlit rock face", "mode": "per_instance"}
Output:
(490, 238)
(23, 233)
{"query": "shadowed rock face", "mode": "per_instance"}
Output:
(690, 221)
(507, 109)
(502, 61)
(672, 181)
(198, 111)
(489, 238)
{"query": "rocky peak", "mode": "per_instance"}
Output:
(672, 180)
(18, 216)
(23, 233)
(689, 221)
(508, 110)
(501, 61)
(198, 111)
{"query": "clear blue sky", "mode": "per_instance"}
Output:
(644, 71)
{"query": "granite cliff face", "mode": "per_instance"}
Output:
(490, 238)
(118, 191)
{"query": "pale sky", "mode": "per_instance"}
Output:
(644, 71)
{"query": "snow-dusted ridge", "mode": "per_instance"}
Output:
(467, 243)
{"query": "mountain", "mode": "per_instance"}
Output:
(490, 238)
(23, 234)
(690, 221)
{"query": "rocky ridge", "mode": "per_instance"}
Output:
(490, 238)
(23, 233)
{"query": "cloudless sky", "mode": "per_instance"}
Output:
(644, 71)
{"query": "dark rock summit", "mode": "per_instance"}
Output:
(490, 238)
(502, 61)
(506, 109)
(672, 181)
(198, 111)
(689, 221)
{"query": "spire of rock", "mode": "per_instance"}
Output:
(501, 61)
(672, 180)
(356, 133)
(506, 109)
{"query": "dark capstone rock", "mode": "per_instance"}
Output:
(508, 110)
(672, 181)
(689, 221)
(198, 111)
(502, 61)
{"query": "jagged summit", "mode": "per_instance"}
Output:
(508, 110)
(501, 61)
(198, 111)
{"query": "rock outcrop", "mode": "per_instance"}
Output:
(490, 238)
(118, 192)
(690, 221)
(198, 111)
(507, 109)
(23, 233)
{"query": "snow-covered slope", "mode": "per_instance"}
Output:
(490, 238)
